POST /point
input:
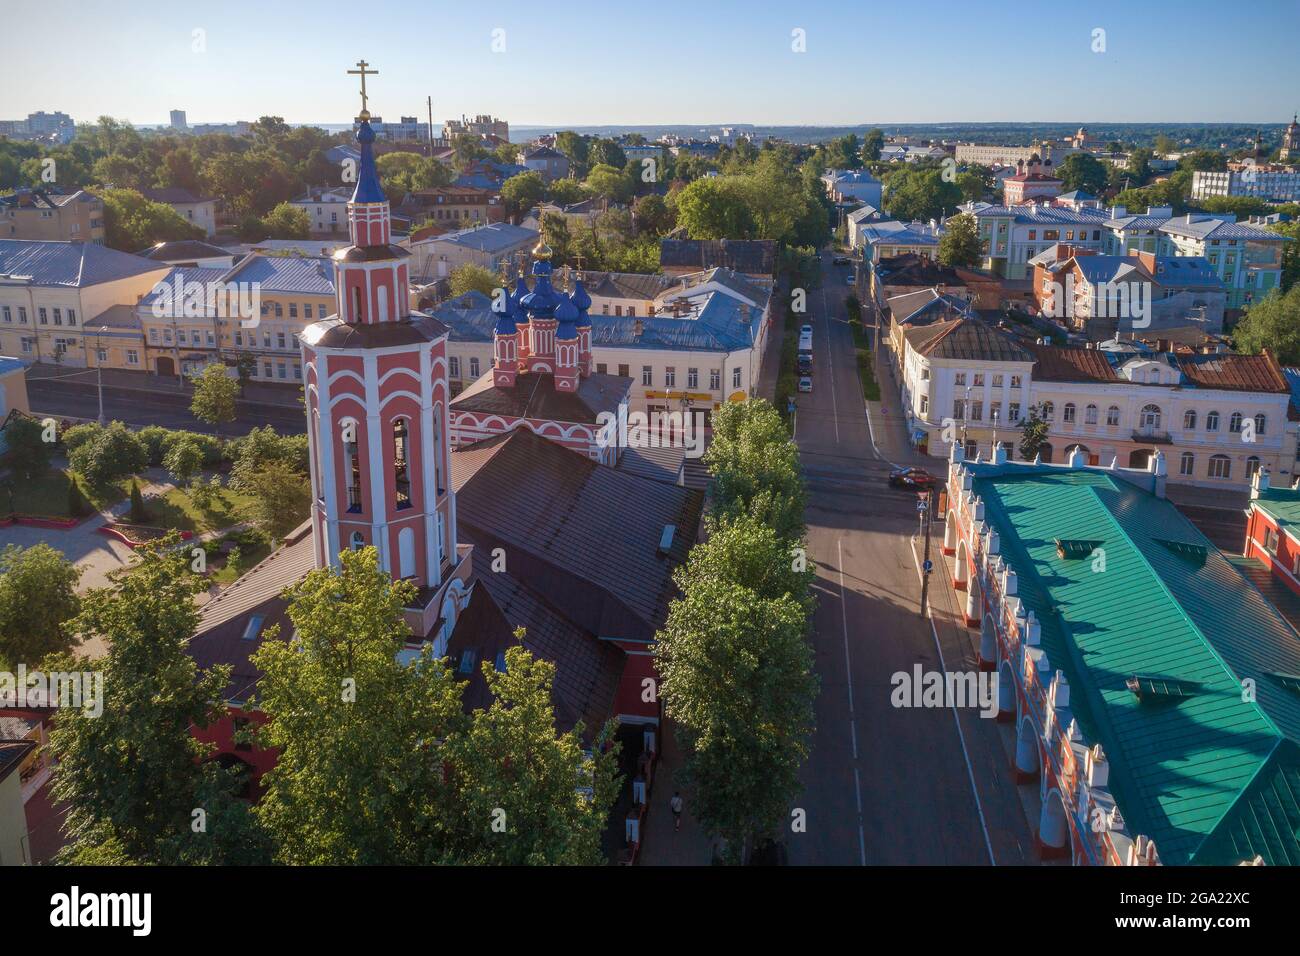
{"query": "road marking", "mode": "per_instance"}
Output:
(848, 685)
(961, 736)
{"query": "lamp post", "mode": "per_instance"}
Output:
(99, 370)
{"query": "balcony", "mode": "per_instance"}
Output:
(1153, 435)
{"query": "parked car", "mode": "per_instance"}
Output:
(848, 279)
(842, 261)
(915, 479)
(805, 364)
(805, 384)
(805, 329)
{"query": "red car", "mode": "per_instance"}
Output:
(916, 479)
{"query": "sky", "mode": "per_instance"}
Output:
(628, 62)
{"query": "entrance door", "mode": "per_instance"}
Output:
(164, 366)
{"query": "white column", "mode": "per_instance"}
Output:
(328, 489)
(433, 576)
(378, 473)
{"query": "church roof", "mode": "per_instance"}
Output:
(534, 396)
(368, 188)
(334, 333)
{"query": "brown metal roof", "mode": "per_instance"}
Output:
(535, 396)
(1233, 372)
(970, 339)
(1054, 363)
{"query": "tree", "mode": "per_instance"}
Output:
(245, 368)
(1290, 252)
(112, 454)
(511, 765)
(76, 500)
(132, 223)
(139, 513)
(473, 278)
(260, 447)
(961, 244)
(736, 679)
(872, 143)
(652, 216)
(522, 192)
(1273, 323)
(755, 468)
(214, 397)
(38, 599)
(565, 192)
(920, 194)
(183, 460)
(715, 208)
(29, 452)
(281, 497)
(287, 221)
(1033, 433)
(132, 775)
(359, 776)
(609, 183)
(1082, 171)
(555, 233)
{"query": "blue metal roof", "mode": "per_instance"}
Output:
(309, 275)
(72, 264)
(368, 188)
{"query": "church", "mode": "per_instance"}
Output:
(519, 528)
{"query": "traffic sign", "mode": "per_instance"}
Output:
(928, 566)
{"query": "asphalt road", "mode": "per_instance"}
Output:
(137, 407)
(883, 785)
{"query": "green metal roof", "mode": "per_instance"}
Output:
(1280, 504)
(1194, 769)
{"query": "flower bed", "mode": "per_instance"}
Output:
(41, 521)
(137, 535)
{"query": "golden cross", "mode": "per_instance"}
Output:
(363, 73)
(577, 260)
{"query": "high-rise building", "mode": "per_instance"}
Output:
(178, 120)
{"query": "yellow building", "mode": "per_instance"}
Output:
(39, 214)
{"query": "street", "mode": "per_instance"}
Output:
(883, 785)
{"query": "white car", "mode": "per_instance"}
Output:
(805, 330)
(805, 384)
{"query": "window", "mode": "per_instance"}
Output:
(925, 374)
(297, 371)
(735, 377)
(22, 315)
(1220, 466)
(401, 465)
(715, 379)
(1150, 416)
(623, 371)
(266, 369)
(132, 357)
(1068, 412)
(977, 411)
(1090, 415)
(959, 378)
(1252, 467)
(473, 367)
(279, 311)
(670, 377)
(1015, 381)
(1049, 411)
(1270, 540)
(358, 541)
(293, 310)
(1260, 421)
(692, 378)
(280, 340)
(1013, 413)
(995, 412)
(997, 381)
(280, 370)
(1112, 415)
(101, 355)
(1187, 464)
(8, 314)
(239, 336)
(979, 379)
(1234, 423)
(41, 314)
(925, 404)
(959, 409)
(600, 368)
(647, 375)
(306, 310)
(1189, 419)
(1212, 422)
(453, 366)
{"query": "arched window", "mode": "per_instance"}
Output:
(1090, 415)
(358, 541)
(1189, 419)
(401, 463)
(1067, 413)
(352, 460)
(1150, 417)
(1212, 422)
(1260, 421)
(1234, 423)
(1187, 464)
(1220, 466)
(356, 304)
(1048, 411)
(1252, 466)
(1112, 415)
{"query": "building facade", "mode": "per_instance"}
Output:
(38, 214)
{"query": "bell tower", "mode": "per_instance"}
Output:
(376, 395)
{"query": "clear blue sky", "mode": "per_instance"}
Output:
(637, 62)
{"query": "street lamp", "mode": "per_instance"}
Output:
(99, 370)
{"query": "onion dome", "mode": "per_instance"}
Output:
(368, 188)
(567, 314)
(582, 302)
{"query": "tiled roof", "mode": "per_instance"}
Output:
(1213, 778)
(1233, 372)
(1055, 363)
(535, 396)
(971, 339)
(71, 264)
(584, 535)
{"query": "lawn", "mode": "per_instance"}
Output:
(178, 510)
(48, 495)
(252, 549)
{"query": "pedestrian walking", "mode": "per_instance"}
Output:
(675, 804)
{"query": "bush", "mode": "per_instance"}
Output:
(29, 452)
(153, 437)
(212, 448)
(76, 500)
(76, 436)
(113, 454)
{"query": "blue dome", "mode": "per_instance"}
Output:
(582, 302)
(517, 296)
(565, 310)
(368, 188)
(543, 299)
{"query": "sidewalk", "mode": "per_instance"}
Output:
(888, 425)
(660, 844)
(255, 393)
(770, 364)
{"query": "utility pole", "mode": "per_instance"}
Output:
(99, 372)
(430, 101)
(927, 509)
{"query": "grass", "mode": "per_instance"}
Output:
(866, 363)
(48, 495)
(252, 549)
(178, 510)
